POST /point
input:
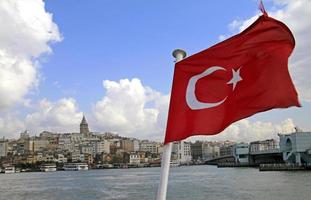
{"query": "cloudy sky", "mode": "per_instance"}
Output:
(111, 60)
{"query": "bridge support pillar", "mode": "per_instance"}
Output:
(298, 158)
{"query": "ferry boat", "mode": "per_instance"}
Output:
(48, 168)
(107, 166)
(9, 170)
(76, 167)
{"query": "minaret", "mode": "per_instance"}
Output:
(84, 127)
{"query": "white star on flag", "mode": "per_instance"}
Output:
(235, 78)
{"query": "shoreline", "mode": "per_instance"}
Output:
(261, 167)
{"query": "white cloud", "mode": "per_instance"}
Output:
(131, 109)
(10, 125)
(26, 27)
(60, 116)
(247, 131)
(295, 15)
(26, 32)
(17, 77)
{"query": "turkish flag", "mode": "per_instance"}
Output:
(232, 80)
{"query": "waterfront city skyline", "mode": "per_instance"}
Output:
(113, 63)
(87, 131)
(48, 151)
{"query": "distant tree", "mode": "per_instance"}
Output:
(98, 158)
(117, 158)
(126, 157)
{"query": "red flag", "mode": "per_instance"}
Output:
(232, 80)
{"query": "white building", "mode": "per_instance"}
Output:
(136, 145)
(263, 146)
(147, 146)
(102, 147)
(86, 149)
(65, 143)
(210, 150)
(48, 158)
(183, 151)
(61, 158)
(76, 137)
(3, 147)
(75, 156)
(134, 158)
(296, 147)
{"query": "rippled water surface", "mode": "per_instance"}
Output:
(195, 182)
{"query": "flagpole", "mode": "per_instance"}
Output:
(178, 54)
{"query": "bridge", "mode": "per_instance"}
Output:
(265, 157)
(221, 159)
(255, 158)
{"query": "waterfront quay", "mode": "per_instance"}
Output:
(284, 167)
(293, 152)
(52, 151)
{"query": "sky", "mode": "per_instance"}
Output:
(112, 61)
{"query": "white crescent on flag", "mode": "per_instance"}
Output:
(191, 98)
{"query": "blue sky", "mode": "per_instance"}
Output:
(85, 43)
(133, 39)
(126, 39)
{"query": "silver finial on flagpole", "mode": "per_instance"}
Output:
(179, 54)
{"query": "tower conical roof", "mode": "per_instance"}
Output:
(84, 127)
(83, 120)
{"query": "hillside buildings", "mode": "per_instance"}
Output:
(97, 148)
(84, 146)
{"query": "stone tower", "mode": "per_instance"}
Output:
(84, 127)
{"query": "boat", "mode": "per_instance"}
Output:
(107, 166)
(9, 170)
(104, 166)
(48, 168)
(76, 167)
(174, 164)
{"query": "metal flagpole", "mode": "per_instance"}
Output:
(166, 156)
